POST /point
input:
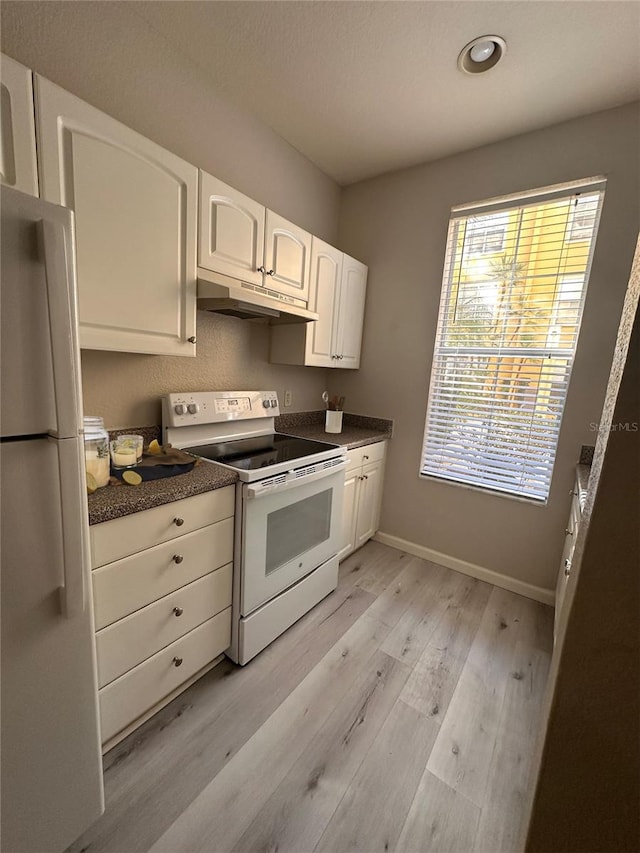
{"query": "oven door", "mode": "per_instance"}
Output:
(290, 525)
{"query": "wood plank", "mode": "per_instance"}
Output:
(508, 778)
(440, 820)
(373, 567)
(298, 811)
(401, 593)
(205, 727)
(463, 749)
(221, 813)
(417, 624)
(431, 684)
(374, 809)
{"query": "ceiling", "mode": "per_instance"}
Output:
(363, 88)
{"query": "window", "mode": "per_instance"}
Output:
(582, 219)
(506, 338)
(485, 234)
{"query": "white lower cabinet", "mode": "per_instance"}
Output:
(162, 613)
(571, 534)
(362, 496)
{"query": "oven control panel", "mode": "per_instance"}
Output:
(209, 407)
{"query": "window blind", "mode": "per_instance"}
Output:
(514, 284)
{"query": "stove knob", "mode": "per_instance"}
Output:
(266, 403)
(193, 408)
(180, 409)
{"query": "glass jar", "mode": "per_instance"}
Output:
(96, 450)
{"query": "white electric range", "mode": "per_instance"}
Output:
(288, 507)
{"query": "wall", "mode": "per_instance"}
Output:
(110, 57)
(398, 222)
(588, 785)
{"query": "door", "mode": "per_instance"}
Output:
(368, 503)
(349, 510)
(324, 292)
(135, 207)
(17, 130)
(38, 322)
(350, 315)
(230, 232)
(287, 532)
(287, 257)
(51, 761)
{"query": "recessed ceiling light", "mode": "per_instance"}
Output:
(481, 54)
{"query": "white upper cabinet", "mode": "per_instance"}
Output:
(242, 239)
(231, 231)
(135, 214)
(350, 314)
(326, 274)
(287, 257)
(18, 167)
(337, 295)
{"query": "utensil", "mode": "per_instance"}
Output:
(325, 398)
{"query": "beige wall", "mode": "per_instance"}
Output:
(398, 223)
(588, 785)
(107, 55)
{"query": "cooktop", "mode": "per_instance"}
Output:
(263, 451)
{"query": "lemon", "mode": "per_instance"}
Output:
(154, 448)
(92, 485)
(132, 478)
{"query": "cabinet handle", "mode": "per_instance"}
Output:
(567, 570)
(271, 272)
(365, 476)
(178, 521)
(261, 269)
(192, 339)
(177, 558)
(178, 611)
(365, 456)
(568, 532)
(573, 493)
(177, 661)
(340, 357)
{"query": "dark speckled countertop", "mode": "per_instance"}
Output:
(115, 501)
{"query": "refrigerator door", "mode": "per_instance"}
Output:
(38, 336)
(51, 758)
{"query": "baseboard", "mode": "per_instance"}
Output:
(537, 593)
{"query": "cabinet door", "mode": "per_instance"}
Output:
(351, 489)
(287, 257)
(324, 293)
(369, 497)
(135, 213)
(350, 315)
(230, 232)
(17, 131)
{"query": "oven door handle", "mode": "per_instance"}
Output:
(260, 490)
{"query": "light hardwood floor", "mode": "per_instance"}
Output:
(399, 715)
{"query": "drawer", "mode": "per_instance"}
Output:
(120, 537)
(127, 585)
(128, 697)
(135, 638)
(364, 455)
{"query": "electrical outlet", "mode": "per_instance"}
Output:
(288, 398)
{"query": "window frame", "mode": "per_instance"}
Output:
(558, 354)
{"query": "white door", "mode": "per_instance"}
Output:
(351, 487)
(326, 272)
(368, 503)
(287, 257)
(17, 131)
(230, 231)
(350, 317)
(286, 533)
(136, 207)
(51, 759)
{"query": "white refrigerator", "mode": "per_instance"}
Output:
(51, 776)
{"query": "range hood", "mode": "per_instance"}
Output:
(225, 295)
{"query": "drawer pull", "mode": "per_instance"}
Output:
(365, 457)
(178, 611)
(178, 522)
(177, 661)
(568, 532)
(177, 558)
